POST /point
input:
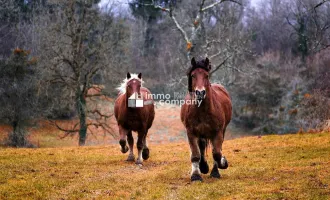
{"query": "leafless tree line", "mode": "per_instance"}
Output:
(263, 54)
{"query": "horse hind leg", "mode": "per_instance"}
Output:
(219, 160)
(223, 165)
(223, 161)
(130, 141)
(203, 166)
(145, 151)
(140, 146)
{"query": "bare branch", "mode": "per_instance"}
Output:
(320, 4)
(288, 20)
(68, 131)
(218, 2)
(184, 34)
(220, 65)
(99, 113)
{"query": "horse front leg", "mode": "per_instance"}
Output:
(123, 133)
(145, 151)
(194, 158)
(203, 166)
(140, 145)
(219, 160)
(130, 141)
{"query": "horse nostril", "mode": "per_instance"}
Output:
(203, 93)
(197, 92)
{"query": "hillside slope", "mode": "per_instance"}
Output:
(274, 167)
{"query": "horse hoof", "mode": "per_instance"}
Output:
(124, 150)
(138, 162)
(130, 158)
(204, 167)
(215, 172)
(223, 163)
(145, 154)
(196, 177)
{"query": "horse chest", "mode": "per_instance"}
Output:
(133, 121)
(203, 125)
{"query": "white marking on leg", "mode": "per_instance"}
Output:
(145, 143)
(223, 161)
(195, 168)
(131, 152)
(140, 155)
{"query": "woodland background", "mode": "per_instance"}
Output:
(62, 60)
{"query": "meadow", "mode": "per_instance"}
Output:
(295, 166)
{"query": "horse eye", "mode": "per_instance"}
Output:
(192, 76)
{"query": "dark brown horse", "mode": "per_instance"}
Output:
(206, 122)
(134, 111)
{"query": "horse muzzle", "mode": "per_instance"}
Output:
(200, 94)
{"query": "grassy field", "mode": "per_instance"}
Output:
(270, 167)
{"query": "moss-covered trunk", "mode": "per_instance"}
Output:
(81, 107)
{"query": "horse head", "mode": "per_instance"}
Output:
(198, 78)
(133, 84)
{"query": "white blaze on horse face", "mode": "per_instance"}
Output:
(200, 88)
(122, 86)
(195, 168)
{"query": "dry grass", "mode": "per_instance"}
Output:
(167, 128)
(271, 167)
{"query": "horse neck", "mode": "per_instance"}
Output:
(208, 101)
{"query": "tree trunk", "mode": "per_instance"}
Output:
(81, 106)
(302, 39)
(17, 137)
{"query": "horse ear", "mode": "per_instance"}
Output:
(140, 75)
(193, 62)
(128, 75)
(207, 62)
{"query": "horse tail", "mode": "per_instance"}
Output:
(208, 146)
(204, 144)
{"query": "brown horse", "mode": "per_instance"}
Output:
(132, 115)
(207, 122)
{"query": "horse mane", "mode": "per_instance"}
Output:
(122, 86)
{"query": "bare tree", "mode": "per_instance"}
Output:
(311, 24)
(196, 37)
(198, 29)
(77, 44)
